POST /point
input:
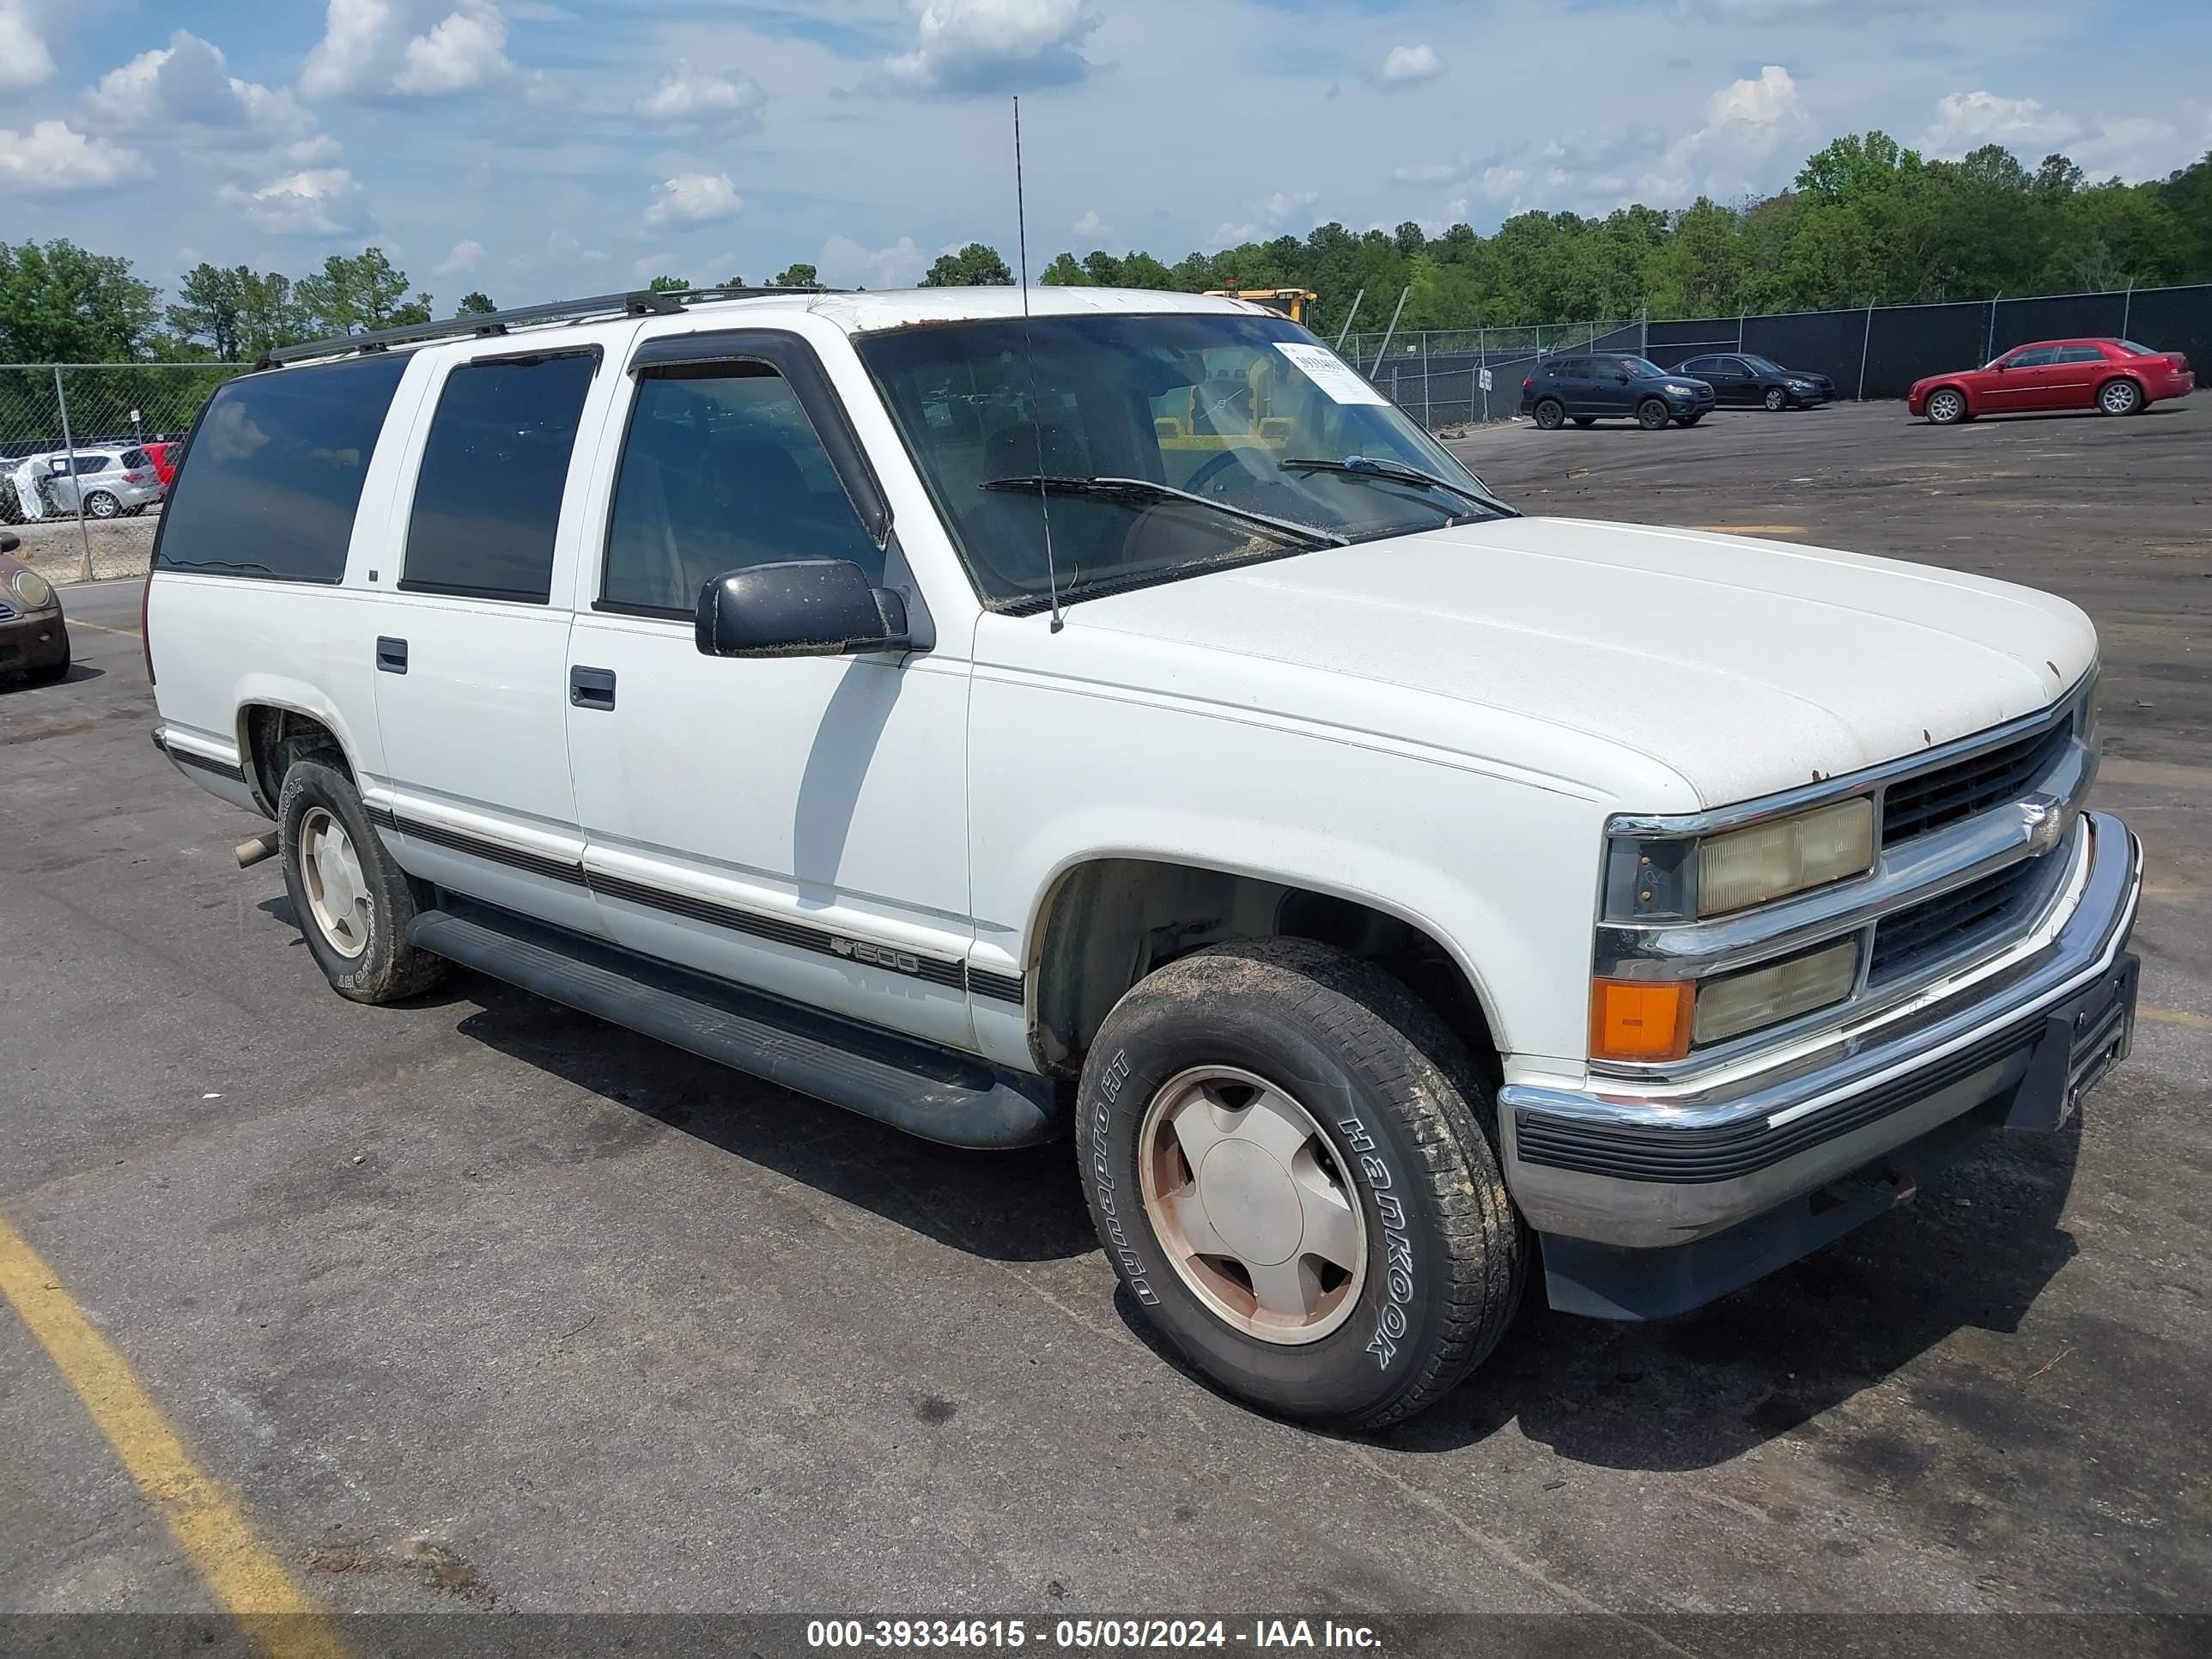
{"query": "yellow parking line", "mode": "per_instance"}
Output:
(102, 627)
(2174, 1017)
(204, 1518)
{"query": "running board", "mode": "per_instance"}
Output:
(927, 1091)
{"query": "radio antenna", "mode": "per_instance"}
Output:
(1029, 356)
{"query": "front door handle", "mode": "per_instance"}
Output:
(390, 655)
(592, 688)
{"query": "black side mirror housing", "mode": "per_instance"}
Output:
(801, 608)
(9, 541)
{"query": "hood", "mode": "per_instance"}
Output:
(1742, 666)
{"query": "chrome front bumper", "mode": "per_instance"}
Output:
(1636, 1171)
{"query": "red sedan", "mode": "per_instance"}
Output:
(2117, 377)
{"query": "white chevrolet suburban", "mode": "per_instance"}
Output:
(1123, 720)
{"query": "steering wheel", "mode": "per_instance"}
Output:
(1207, 469)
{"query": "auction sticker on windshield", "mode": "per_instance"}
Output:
(1330, 373)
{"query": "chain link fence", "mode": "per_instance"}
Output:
(87, 451)
(1869, 351)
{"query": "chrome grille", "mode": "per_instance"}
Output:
(1930, 932)
(1914, 807)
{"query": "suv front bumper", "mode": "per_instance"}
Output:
(1650, 1207)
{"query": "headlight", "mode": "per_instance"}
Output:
(36, 593)
(1681, 391)
(1735, 1003)
(1772, 861)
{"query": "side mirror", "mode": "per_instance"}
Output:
(9, 541)
(802, 608)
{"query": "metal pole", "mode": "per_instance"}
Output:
(1866, 340)
(1644, 331)
(1738, 333)
(1348, 316)
(1393, 329)
(2126, 306)
(1428, 422)
(1990, 340)
(70, 444)
(1481, 363)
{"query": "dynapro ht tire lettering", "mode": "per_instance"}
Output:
(1292, 1164)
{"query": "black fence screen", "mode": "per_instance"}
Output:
(1871, 352)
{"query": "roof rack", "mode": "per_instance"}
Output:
(638, 302)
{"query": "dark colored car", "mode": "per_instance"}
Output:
(1599, 386)
(2114, 377)
(1740, 379)
(34, 638)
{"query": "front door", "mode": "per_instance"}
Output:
(795, 824)
(2023, 383)
(472, 648)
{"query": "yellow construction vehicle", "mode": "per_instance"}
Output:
(1293, 303)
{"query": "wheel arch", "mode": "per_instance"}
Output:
(1106, 918)
(270, 717)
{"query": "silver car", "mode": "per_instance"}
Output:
(105, 483)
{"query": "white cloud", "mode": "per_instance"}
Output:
(467, 50)
(24, 59)
(1965, 120)
(1420, 63)
(694, 198)
(1091, 226)
(845, 262)
(1746, 121)
(54, 156)
(1428, 172)
(1286, 205)
(185, 89)
(465, 256)
(688, 95)
(355, 33)
(994, 45)
(314, 202)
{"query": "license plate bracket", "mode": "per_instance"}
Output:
(2081, 1040)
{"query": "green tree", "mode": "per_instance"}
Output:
(207, 310)
(61, 304)
(974, 266)
(669, 285)
(352, 294)
(1064, 272)
(797, 274)
(269, 315)
(475, 303)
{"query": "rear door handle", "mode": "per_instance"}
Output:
(390, 655)
(592, 688)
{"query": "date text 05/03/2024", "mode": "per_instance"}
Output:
(1090, 1635)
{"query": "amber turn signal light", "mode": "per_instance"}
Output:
(1640, 1018)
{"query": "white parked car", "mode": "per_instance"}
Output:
(1125, 722)
(102, 484)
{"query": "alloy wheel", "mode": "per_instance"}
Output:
(337, 893)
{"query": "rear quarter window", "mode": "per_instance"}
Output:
(275, 473)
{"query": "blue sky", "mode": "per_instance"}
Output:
(534, 148)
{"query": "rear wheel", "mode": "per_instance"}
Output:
(2119, 396)
(1777, 400)
(354, 903)
(1651, 415)
(1292, 1164)
(1549, 412)
(1947, 407)
(101, 505)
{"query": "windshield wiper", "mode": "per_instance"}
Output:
(1360, 466)
(1145, 489)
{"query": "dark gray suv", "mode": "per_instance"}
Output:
(1599, 386)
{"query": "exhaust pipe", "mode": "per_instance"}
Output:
(250, 853)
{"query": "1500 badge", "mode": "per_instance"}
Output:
(879, 955)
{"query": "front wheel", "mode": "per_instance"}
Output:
(1549, 413)
(354, 903)
(1947, 407)
(1292, 1164)
(2119, 398)
(1651, 415)
(1777, 399)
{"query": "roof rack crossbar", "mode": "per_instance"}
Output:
(638, 302)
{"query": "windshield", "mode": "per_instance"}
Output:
(1209, 405)
(1764, 366)
(2135, 350)
(1641, 366)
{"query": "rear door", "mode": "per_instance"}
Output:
(1570, 379)
(471, 649)
(2075, 373)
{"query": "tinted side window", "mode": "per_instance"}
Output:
(2039, 358)
(1697, 366)
(721, 469)
(494, 465)
(276, 472)
(1572, 368)
(2078, 355)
